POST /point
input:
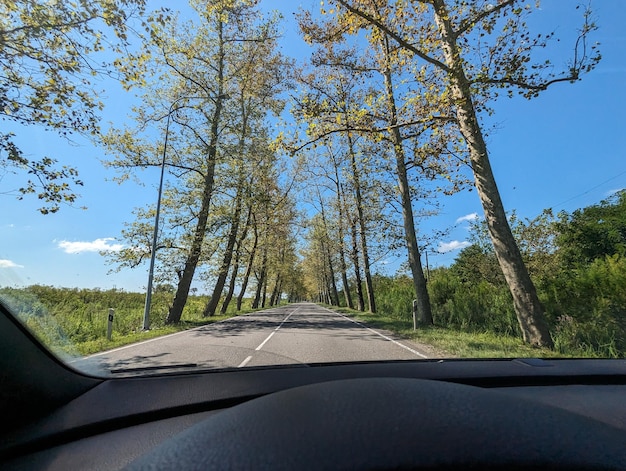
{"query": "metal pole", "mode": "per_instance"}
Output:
(146, 311)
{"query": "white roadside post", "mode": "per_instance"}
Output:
(110, 324)
(415, 314)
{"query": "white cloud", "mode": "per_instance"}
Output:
(452, 245)
(98, 245)
(9, 264)
(467, 217)
(612, 192)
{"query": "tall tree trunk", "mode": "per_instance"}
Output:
(257, 293)
(235, 273)
(343, 267)
(326, 281)
(231, 286)
(334, 295)
(279, 294)
(329, 274)
(424, 312)
(260, 280)
(369, 286)
(211, 306)
(530, 313)
(274, 295)
(184, 283)
(344, 281)
(264, 294)
(360, 302)
(246, 276)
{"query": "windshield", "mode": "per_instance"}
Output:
(239, 183)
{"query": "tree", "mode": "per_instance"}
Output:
(480, 48)
(316, 257)
(256, 94)
(342, 222)
(49, 57)
(535, 237)
(399, 123)
(474, 263)
(210, 147)
(237, 260)
(197, 73)
(593, 232)
(274, 218)
(330, 108)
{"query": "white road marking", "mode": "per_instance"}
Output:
(132, 345)
(276, 330)
(415, 352)
(245, 362)
(265, 341)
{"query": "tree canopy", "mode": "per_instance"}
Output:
(593, 232)
(50, 54)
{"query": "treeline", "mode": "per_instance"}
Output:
(396, 102)
(211, 85)
(577, 261)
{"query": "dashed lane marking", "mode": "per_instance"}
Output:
(247, 360)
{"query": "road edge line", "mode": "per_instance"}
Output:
(415, 352)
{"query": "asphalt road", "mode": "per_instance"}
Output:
(293, 334)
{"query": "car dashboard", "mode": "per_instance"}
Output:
(120, 420)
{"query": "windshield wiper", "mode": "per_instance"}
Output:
(153, 368)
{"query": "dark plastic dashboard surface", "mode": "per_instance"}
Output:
(93, 425)
(391, 423)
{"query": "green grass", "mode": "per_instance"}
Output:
(74, 321)
(119, 340)
(462, 344)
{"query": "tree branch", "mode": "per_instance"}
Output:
(468, 23)
(392, 34)
(525, 85)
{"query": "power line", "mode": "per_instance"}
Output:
(589, 190)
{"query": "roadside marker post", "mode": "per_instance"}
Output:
(415, 314)
(110, 324)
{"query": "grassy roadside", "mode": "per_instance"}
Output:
(455, 343)
(119, 340)
(73, 322)
(63, 345)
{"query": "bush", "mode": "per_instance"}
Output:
(587, 307)
(472, 307)
(479, 306)
(394, 296)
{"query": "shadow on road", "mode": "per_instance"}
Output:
(301, 321)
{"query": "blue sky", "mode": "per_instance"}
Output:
(564, 150)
